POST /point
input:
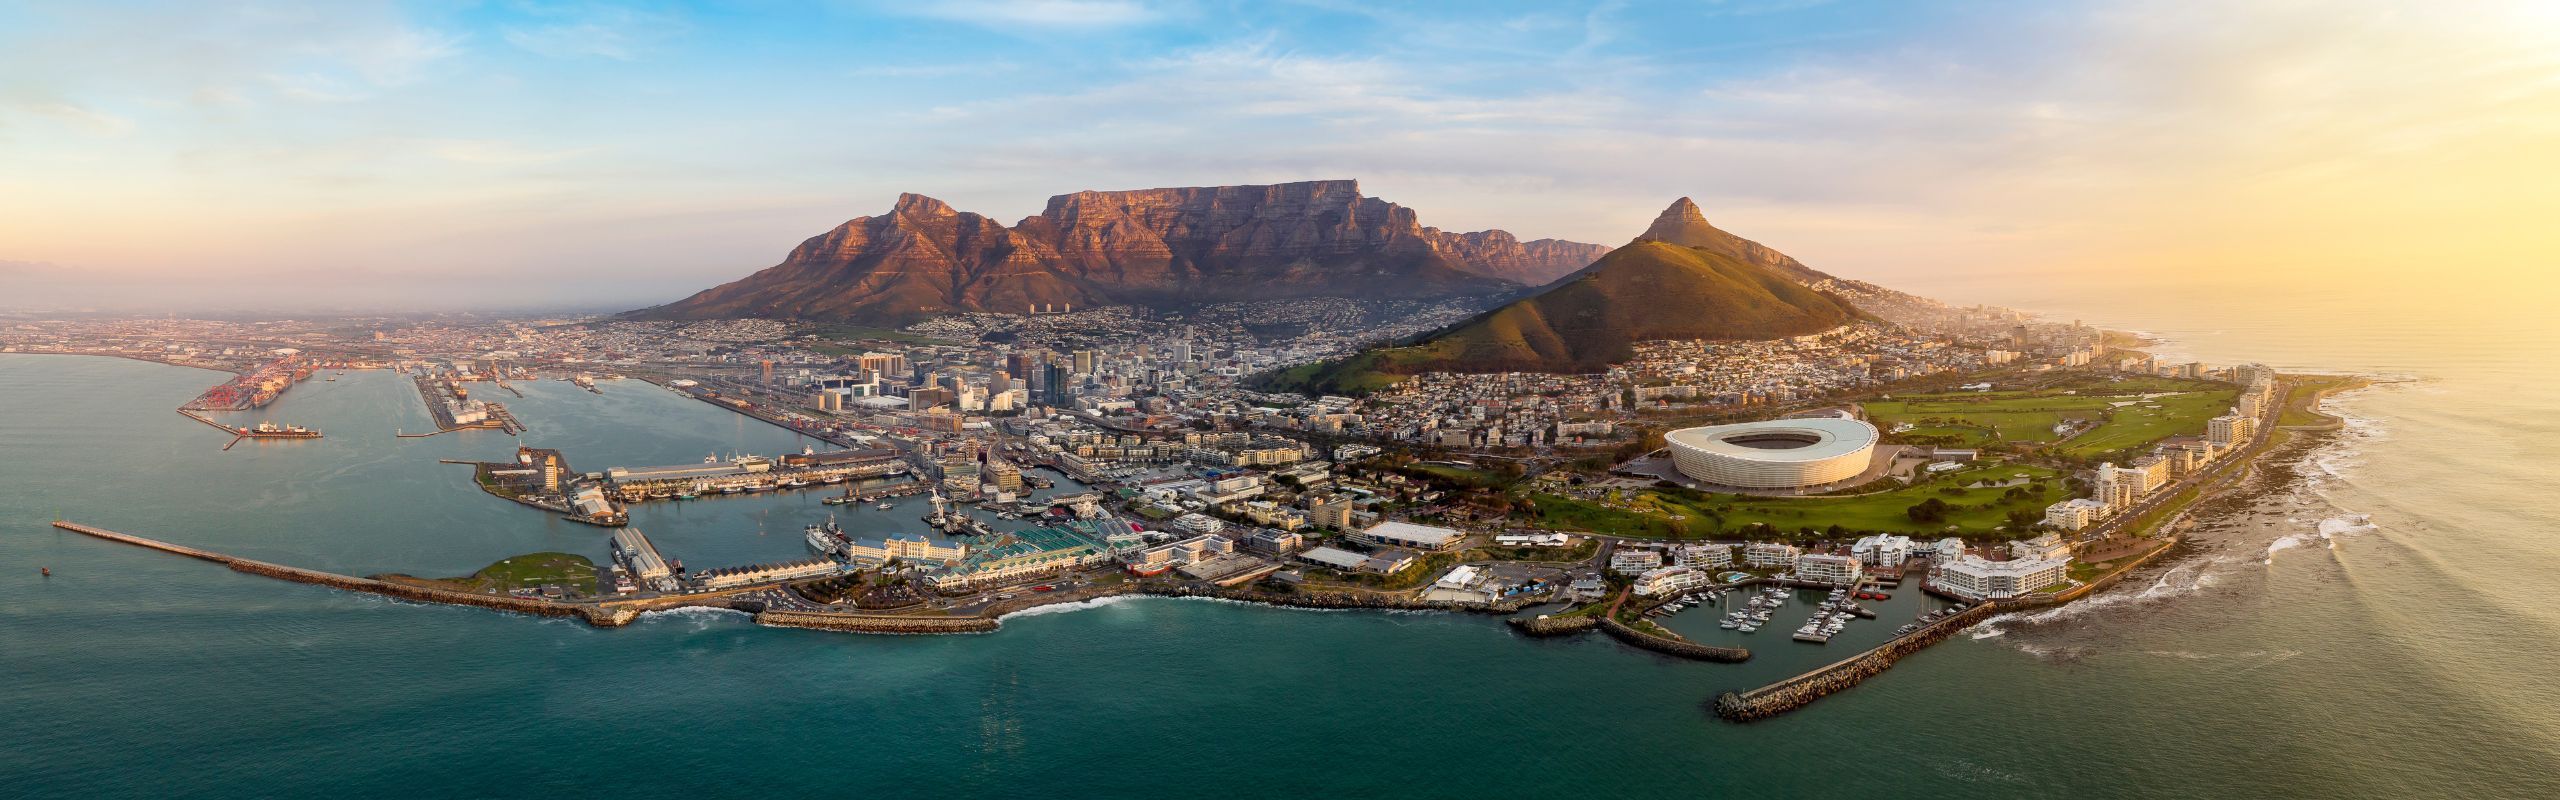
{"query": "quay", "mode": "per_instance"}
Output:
(453, 409)
(264, 430)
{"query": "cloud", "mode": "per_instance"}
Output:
(618, 33)
(1033, 13)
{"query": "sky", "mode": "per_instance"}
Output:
(358, 155)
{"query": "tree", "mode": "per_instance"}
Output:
(1932, 510)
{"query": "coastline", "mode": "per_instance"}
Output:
(2302, 395)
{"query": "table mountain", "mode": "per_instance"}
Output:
(1159, 247)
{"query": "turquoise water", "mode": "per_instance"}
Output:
(2405, 654)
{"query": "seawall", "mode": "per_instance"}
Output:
(594, 615)
(1793, 693)
(1553, 626)
(1672, 647)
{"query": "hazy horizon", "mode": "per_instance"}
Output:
(425, 156)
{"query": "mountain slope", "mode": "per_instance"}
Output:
(1647, 290)
(1163, 247)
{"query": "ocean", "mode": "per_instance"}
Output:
(2373, 620)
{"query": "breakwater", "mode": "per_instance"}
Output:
(1793, 693)
(1672, 647)
(594, 615)
(1553, 626)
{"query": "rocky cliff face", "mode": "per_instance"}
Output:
(1150, 246)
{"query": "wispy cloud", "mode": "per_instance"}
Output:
(1033, 13)
(613, 32)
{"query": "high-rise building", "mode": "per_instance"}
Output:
(1085, 361)
(1059, 385)
(766, 367)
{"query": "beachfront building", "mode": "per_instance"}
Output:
(1022, 554)
(1884, 550)
(2048, 546)
(1333, 558)
(1672, 580)
(2075, 513)
(1770, 554)
(1829, 569)
(2231, 429)
(734, 577)
(1705, 555)
(1630, 560)
(916, 550)
(1978, 578)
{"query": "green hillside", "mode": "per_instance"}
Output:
(1587, 321)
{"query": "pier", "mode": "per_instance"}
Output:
(453, 409)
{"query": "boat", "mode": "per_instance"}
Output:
(882, 506)
(825, 539)
(731, 489)
(1728, 624)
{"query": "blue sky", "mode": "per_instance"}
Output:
(515, 153)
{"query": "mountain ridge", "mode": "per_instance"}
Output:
(1161, 246)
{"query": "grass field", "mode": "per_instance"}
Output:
(2125, 420)
(2135, 426)
(531, 570)
(2301, 406)
(1661, 514)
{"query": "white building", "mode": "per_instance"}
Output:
(1706, 555)
(1549, 539)
(1430, 538)
(2048, 546)
(1978, 578)
(1461, 577)
(1770, 554)
(1884, 549)
(1947, 549)
(2074, 514)
(1672, 580)
(2231, 429)
(1629, 561)
(1830, 569)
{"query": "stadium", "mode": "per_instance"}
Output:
(1774, 454)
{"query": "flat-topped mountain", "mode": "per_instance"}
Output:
(1727, 288)
(1160, 247)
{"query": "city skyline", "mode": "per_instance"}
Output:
(426, 156)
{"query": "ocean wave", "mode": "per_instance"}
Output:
(2335, 527)
(2190, 655)
(700, 617)
(2284, 543)
(1063, 608)
(2178, 581)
